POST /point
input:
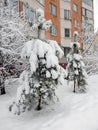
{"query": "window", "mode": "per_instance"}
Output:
(75, 7)
(53, 9)
(67, 14)
(67, 32)
(87, 13)
(75, 23)
(83, 11)
(89, 2)
(53, 30)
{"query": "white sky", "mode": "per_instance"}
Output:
(96, 13)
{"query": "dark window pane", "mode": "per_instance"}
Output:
(67, 32)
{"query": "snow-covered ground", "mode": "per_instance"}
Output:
(71, 112)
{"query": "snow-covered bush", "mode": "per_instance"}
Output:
(41, 76)
(87, 37)
(76, 68)
(12, 33)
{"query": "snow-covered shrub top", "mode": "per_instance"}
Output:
(35, 49)
(77, 44)
(75, 64)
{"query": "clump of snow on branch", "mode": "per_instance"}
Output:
(41, 22)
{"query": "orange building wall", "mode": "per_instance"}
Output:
(77, 16)
(55, 19)
(20, 6)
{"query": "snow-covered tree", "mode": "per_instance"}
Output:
(87, 37)
(42, 72)
(76, 67)
(12, 37)
(90, 51)
(41, 76)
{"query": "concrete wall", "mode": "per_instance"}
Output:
(65, 42)
(78, 17)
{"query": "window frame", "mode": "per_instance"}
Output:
(53, 30)
(85, 12)
(53, 11)
(67, 13)
(75, 7)
(67, 35)
(75, 23)
(88, 3)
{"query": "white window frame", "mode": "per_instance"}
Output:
(75, 7)
(67, 14)
(67, 35)
(53, 9)
(53, 30)
(75, 23)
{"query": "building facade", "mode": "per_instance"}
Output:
(65, 25)
(67, 16)
(76, 18)
(73, 13)
(52, 11)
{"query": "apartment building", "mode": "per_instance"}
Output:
(87, 11)
(67, 16)
(65, 24)
(73, 13)
(51, 11)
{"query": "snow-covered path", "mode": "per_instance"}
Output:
(71, 112)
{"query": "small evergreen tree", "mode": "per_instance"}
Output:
(76, 67)
(41, 75)
(42, 71)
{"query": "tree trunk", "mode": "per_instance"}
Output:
(74, 85)
(39, 104)
(3, 91)
(2, 88)
(39, 33)
(2, 85)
